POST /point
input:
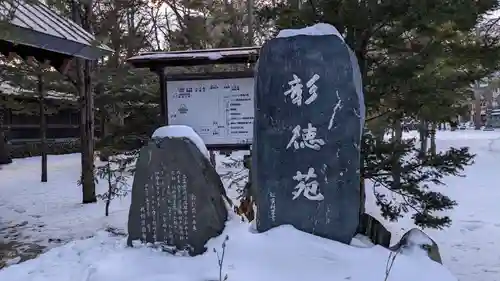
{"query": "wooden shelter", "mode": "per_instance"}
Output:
(31, 30)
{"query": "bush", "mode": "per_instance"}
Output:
(31, 149)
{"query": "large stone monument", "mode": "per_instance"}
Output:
(309, 116)
(177, 196)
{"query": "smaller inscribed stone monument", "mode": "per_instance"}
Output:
(309, 115)
(177, 196)
(415, 240)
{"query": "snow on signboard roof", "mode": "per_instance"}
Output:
(179, 58)
(35, 18)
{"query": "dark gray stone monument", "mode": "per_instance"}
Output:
(177, 197)
(309, 116)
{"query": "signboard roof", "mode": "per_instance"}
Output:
(196, 57)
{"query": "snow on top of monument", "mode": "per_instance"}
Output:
(282, 253)
(314, 30)
(415, 240)
(417, 237)
(182, 131)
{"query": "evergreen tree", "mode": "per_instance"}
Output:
(418, 60)
(126, 98)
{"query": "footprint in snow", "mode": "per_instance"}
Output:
(472, 225)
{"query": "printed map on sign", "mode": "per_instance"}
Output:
(220, 111)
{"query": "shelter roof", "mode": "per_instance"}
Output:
(30, 28)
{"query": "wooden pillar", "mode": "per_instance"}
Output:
(163, 96)
(5, 157)
(43, 126)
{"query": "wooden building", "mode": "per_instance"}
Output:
(23, 125)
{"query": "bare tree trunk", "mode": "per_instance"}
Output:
(477, 115)
(89, 195)
(154, 18)
(84, 85)
(251, 19)
(295, 4)
(362, 192)
(87, 176)
(477, 109)
(43, 126)
(433, 148)
(397, 140)
(423, 128)
(489, 107)
(110, 189)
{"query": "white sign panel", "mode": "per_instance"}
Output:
(221, 111)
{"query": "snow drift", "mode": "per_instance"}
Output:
(282, 253)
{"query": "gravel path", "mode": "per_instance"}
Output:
(13, 249)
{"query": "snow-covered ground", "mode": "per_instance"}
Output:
(52, 210)
(36, 212)
(280, 254)
(470, 247)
